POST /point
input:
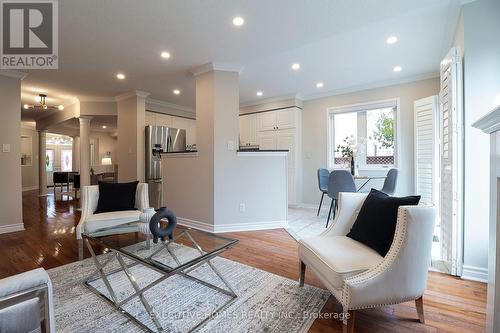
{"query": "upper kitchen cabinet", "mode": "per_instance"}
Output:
(150, 118)
(278, 130)
(278, 120)
(158, 119)
(267, 121)
(248, 130)
(286, 118)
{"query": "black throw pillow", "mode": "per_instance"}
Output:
(116, 197)
(376, 222)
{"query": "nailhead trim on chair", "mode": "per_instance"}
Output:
(381, 268)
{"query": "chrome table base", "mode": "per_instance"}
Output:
(165, 271)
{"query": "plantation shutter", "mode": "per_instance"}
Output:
(426, 148)
(451, 123)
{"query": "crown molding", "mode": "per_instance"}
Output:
(157, 102)
(267, 100)
(132, 93)
(97, 99)
(373, 85)
(216, 66)
(490, 122)
(13, 74)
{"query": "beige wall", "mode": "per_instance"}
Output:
(98, 108)
(131, 138)
(30, 173)
(314, 131)
(11, 215)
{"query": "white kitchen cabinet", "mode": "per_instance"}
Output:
(282, 130)
(278, 119)
(286, 118)
(164, 120)
(267, 121)
(268, 141)
(158, 119)
(190, 132)
(150, 119)
(285, 140)
(248, 130)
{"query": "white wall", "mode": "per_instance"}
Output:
(314, 131)
(30, 173)
(11, 214)
(481, 42)
(206, 189)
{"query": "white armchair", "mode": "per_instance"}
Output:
(109, 223)
(359, 277)
(26, 303)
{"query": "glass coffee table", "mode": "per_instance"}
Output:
(128, 256)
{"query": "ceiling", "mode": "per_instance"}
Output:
(72, 126)
(338, 42)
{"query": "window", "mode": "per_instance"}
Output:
(66, 160)
(365, 131)
(50, 160)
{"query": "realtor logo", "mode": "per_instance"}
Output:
(29, 36)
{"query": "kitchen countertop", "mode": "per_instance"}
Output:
(261, 150)
(180, 152)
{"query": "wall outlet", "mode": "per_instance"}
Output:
(230, 145)
(242, 207)
(6, 147)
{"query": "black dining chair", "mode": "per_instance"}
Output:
(390, 182)
(338, 181)
(59, 179)
(323, 175)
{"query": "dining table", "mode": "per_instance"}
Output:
(365, 180)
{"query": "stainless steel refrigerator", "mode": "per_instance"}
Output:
(160, 140)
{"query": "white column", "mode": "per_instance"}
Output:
(76, 153)
(84, 151)
(42, 162)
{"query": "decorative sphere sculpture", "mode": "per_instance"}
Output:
(154, 224)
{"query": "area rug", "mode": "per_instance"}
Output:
(266, 302)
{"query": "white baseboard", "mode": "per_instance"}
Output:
(195, 224)
(30, 188)
(11, 228)
(474, 273)
(249, 226)
(324, 207)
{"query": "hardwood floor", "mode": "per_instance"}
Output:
(450, 304)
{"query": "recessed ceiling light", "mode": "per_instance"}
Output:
(296, 66)
(104, 126)
(238, 21)
(392, 40)
(61, 107)
(165, 55)
(397, 69)
(319, 85)
(176, 91)
(120, 76)
(259, 93)
(26, 106)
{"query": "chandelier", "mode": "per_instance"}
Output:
(41, 103)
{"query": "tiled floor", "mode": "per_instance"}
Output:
(303, 222)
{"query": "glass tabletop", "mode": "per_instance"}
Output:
(188, 248)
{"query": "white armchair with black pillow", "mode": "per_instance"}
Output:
(115, 211)
(363, 276)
